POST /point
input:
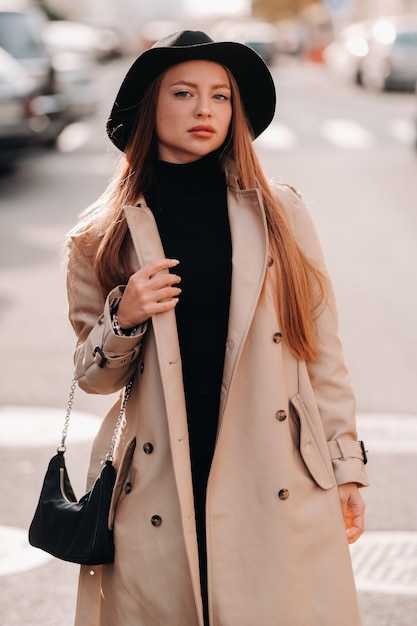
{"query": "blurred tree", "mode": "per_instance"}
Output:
(273, 10)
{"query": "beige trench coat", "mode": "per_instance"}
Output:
(277, 549)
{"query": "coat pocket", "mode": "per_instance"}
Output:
(313, 446)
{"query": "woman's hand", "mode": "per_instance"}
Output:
(149, 291)
(353, 509)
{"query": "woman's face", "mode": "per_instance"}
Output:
(193, 112)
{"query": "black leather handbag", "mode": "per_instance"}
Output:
(70, 529)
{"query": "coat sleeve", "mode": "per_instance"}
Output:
(328, 374)
(104, 361)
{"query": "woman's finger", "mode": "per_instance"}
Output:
(153, 267)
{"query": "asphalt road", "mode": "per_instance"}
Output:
(351, 155)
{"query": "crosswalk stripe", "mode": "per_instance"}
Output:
(346, 133)
(277, 137)
(342, 133)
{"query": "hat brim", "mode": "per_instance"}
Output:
(253, 77)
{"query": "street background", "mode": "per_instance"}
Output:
(351, 154)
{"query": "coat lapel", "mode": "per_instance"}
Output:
(148, 247)
(250, 253)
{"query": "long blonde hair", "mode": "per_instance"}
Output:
(299, 284)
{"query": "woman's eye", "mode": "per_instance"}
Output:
(220, 96)
(182, 94)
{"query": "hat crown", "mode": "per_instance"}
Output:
(183, 38)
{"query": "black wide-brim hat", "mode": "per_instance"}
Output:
(253, 77)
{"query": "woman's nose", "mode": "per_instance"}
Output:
(203, 108)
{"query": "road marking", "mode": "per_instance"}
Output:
(346, 133)
(32, 426)
(16, 554)
(383, 561)
(277, 137)
(386, 562)
(342, 133)
(388, 433)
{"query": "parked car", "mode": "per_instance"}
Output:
(21, 117)
(21, 36)
(391, 62)
(64, 79)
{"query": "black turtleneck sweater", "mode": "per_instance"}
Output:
(189, 205)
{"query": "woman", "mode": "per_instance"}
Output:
(238, 465)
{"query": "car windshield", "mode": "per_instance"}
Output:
(18, 35)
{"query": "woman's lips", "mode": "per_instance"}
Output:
(202, 131)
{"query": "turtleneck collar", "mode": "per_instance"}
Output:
(197, 176)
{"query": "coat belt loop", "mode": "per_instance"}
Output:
(343, 451)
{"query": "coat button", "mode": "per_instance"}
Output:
(128, 487)
(283, 494)
(148, 448)
(281, 415)
(277, 337)
(156, 520)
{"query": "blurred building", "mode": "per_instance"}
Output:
(137, 11)
(312, 23)
(378, 8)
(343, 9)
(125, 16)
(317, 22)
(273, 10)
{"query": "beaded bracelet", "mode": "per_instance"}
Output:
(121, 332)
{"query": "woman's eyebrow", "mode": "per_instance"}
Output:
(194, 85)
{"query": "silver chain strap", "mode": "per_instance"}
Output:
(109, 457)
(120, 419)
(62, 447)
